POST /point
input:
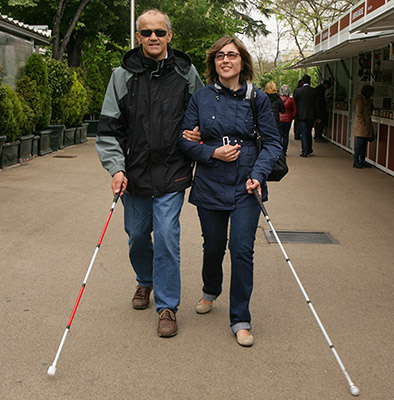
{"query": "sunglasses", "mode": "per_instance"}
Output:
(231, 55)
(158, 32)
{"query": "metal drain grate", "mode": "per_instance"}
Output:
(64, 156)
(301, 237)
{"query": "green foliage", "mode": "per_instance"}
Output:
(12, 118)
(27, 91)
(197, 24)
(60, 79)
(36, 70)
(75, 103)
(95, 87)
(282, 76)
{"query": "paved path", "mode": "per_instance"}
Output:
(53, 210)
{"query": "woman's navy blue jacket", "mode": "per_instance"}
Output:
(221, 112)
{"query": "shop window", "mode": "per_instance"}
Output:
(341, 96)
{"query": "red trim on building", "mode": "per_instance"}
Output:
(344, 22)
(373, 5)
(334, 29)
(382, 146)
(358, 13)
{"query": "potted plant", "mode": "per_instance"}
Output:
(60, 79)
(36, 70)
(75, 105)
(10, 122)
(96, 88)
(29, 98)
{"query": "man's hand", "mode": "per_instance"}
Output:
(227, 153)
(253, 184)
(119, 183)
(193, 136)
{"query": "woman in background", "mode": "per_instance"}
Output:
(276, 102)
(362, 127)
(287, 117)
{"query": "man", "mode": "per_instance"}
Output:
(137, 143)
(322, 110)
(305, 98)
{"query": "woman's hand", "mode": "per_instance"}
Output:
(193, 136)
(253, 184)
(227, 153)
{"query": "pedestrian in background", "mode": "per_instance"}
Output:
(276, 102)
(321, 110)
(306, 102)
(287, 117)
(362, 126)
(297, 132)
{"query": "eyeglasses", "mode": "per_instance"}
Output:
(158, 32)
(231, 55)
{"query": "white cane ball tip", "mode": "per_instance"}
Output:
(354, 391)
(51, 370)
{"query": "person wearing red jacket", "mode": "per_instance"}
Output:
(287, 117)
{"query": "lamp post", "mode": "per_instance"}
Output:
(132, 22)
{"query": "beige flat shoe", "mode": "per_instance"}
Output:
(203, 308)
(245, 341)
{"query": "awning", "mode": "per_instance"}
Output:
(347, 49)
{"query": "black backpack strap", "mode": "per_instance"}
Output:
(255, 120)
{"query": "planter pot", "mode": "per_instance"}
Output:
(25, 148)
(57, 136)
(2, 141)
(92, 127)
(69, 137)
(84, 132)
(77, 137)
(9, 154)
(44, 144)
(34, 149)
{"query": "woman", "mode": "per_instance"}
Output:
(226, 157)
(287, 117)
(276, 102)
(362, 126)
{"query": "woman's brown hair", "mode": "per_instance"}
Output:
(246, 74)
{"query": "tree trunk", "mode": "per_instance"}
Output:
(61, 5)
(74, 49)
(59, 49)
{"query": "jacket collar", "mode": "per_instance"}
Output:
(135, 61)
(219, 88)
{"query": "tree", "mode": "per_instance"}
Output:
(60, 15)
(197, 23)
(306, 18)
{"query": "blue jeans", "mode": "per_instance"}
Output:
(360, 150)
(243, 226)
(155, 263)
(284, 129)
(306, 126)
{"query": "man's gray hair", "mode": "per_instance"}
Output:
(153, 11)
(285, 90)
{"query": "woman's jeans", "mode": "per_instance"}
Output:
(155, 263)
(243, 226)
(284, 129)
(360, 150)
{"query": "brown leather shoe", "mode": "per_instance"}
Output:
(141, 297)
(167, 326)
